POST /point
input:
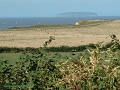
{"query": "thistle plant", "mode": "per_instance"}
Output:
(49, 41)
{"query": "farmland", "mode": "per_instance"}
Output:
(96, 67)
(69, 35)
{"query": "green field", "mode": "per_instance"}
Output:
(15, 57)
(11, 57)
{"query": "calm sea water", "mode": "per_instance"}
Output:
(24, 22)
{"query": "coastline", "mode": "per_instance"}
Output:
(11, 22)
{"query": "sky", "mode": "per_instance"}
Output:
(50, 8)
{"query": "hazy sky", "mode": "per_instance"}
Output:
(48, 8)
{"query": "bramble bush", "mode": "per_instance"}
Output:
(38, 71)
(101, 71)
(35, 71)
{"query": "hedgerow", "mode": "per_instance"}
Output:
(53, 49)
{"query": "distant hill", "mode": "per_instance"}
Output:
(77, 14)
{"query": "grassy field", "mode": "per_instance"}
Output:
(15, 57)
(70, 35)
(11, 57)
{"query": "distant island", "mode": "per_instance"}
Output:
(77, 14)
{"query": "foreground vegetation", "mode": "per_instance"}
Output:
(100, 70)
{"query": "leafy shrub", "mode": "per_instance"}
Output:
(35, 71)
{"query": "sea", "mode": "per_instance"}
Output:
(31, 21)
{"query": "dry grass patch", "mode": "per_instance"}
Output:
(65, 35)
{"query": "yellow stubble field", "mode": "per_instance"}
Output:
(64, 35)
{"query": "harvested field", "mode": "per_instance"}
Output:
(64, 35)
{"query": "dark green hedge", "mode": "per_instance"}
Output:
(52, 49)
(16, 50)
(70, 49)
